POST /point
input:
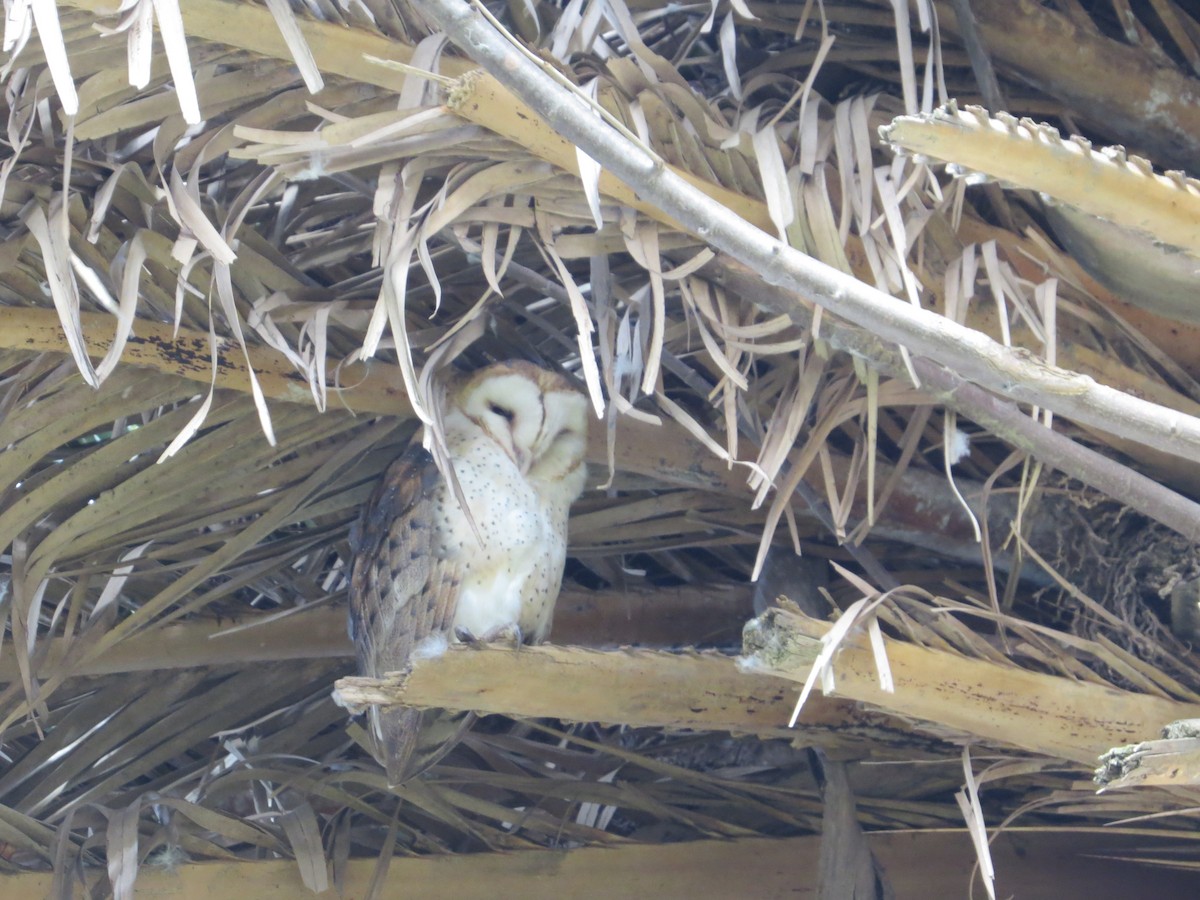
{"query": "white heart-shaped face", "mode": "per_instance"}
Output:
(536, 416)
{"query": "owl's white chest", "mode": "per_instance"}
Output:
(511, 576)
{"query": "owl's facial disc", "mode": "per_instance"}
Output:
(535, 417)
(509, 408)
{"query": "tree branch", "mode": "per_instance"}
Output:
(965, 352)
(970, 354)
(1003, 419)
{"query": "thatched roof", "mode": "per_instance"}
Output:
(953, 365)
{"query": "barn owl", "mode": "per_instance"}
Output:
(423, 574)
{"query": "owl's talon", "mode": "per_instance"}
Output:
(465, 636)
(505, 634)
(511, 633)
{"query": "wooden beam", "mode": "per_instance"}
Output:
(1033, 864)
(643, 688)
(663, 617)
(1041, 713)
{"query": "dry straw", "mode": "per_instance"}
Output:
(232, 270)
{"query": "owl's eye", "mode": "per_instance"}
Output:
(565, 433)
(506, 414)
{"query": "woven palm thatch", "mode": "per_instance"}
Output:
(240, 241)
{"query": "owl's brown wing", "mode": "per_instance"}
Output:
(400, 594)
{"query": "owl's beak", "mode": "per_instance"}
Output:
(521, 458)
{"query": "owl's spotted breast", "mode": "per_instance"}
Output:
(512, 576)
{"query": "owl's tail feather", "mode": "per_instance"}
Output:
(409, 741)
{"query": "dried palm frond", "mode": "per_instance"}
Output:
(231, 270)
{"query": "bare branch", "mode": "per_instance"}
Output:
(1003, 419)
(968, 353)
